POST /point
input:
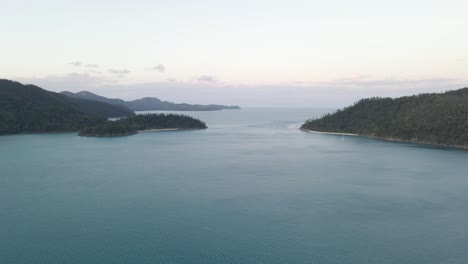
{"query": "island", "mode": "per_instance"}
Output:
(149, 103)
(432, 118)
(28, 109)
(146, 122)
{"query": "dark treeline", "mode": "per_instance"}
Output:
(101, 109)
(430, 118)
(131, 125)
(30, 109)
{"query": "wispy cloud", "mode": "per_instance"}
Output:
(76, 63)
(356, 77)
(79, 64)
(72, 81)
(94, 72)
(119, 73)
(207, 78)
(160, 68)
(333, 93)
(392, 83)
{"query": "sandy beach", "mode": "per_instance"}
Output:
(330, 133)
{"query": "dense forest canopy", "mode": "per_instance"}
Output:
(438, 118)
(105, 110)
(131, 125)
(31, 109)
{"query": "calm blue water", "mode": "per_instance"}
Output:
(250, 189)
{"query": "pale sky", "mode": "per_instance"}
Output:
(257, 53)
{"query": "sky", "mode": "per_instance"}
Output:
(256, 53)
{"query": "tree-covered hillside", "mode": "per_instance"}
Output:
(131, 125)
(100, 108)
(93, 97)
(31, 109)
(429, 118)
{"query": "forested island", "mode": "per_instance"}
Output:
(149, 103)
(436, 118)
(132, 125)
(31, 109)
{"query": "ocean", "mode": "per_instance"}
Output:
(252, 188)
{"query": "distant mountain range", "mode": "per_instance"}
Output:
(31, 109)
(147, 103)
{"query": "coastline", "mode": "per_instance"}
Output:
(157, 130)
(390, 139)
(136, 132)
(331, 133)
(107, 135)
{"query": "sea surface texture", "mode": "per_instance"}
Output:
(250, 189)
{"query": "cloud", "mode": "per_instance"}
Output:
(356, 77)
(333, 93)
(207, 78)
(94, 72)
(71, 81)
(325, 94)
(79, 64)
(76, 63)
(160, 68)
(119, 73)
(392, 83)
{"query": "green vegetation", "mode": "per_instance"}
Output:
(109, 129)
(425, 118)
(17, 98)
(101, 109)
(131, 125)
(30, 109)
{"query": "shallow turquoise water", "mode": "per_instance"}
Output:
(250, 189)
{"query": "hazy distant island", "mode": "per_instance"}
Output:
(31, 109)
(132, 125)
(437, 118)
(149, 103)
